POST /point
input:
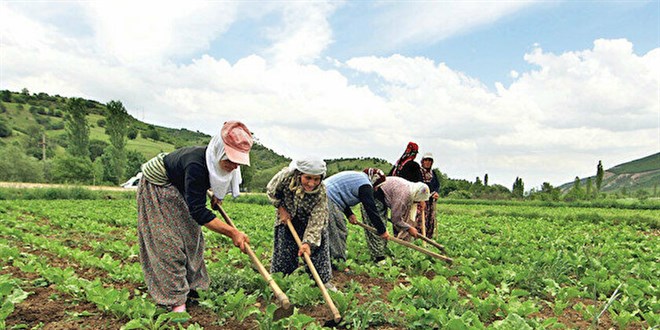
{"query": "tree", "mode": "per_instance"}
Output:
(77, 128)
(551, 191)
(576, 192)
(116, 130)
(486, 179)
(5, 96)
(247, 173)
(477, 187)
(599, 175)
(518, 188)
(97, 170)
(134, 161)
(589, 188)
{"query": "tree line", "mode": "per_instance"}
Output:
(92, 161)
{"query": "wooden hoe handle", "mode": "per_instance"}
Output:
(424, 224)
(432, 242)
(281, 296)
(408, 244)
(315, 274)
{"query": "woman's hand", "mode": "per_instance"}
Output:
(413, 232)
(385, 236)
(353, 219)
(305, 248)
(216, 203)
(284, 215)
(240, 240)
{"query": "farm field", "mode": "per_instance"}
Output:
(72, 264)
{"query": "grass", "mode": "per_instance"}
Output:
(77, 193)
(648, 163)
(148, 148)
(623, 203)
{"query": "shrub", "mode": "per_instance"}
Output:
(15, 165)
(56, 126)
(5, 130)
(97, 148)
(71, 169)
(77, 193)
(459, 194)
(132, 133)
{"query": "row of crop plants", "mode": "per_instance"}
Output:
(511, 264)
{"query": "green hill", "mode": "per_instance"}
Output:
(639, 174)
(642, 165)
(24, 117)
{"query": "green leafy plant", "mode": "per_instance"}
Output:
(10, 295)
(236, 304)
(161, 322)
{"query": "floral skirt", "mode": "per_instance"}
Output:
(428, 218)
(337, 232)
(171, 245)
(285, 252)
(377, 246)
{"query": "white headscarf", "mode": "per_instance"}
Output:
(222, 182)
(309, 165)
(419, 191)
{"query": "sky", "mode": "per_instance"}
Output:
(540, 90)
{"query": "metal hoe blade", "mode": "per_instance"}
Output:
(332, 323)
(282, 313)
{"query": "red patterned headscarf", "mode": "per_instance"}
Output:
(411, 152)
(376, 176)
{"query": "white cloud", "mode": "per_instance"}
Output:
(608, 86)
(550, 124)
(431, 21)
(304, 33)
(141, 32)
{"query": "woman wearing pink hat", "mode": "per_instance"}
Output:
(171, 201)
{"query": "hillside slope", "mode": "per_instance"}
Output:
(643, 173)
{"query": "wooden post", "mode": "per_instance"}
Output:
(43, 146)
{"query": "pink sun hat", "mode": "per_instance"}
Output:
(238, 141)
